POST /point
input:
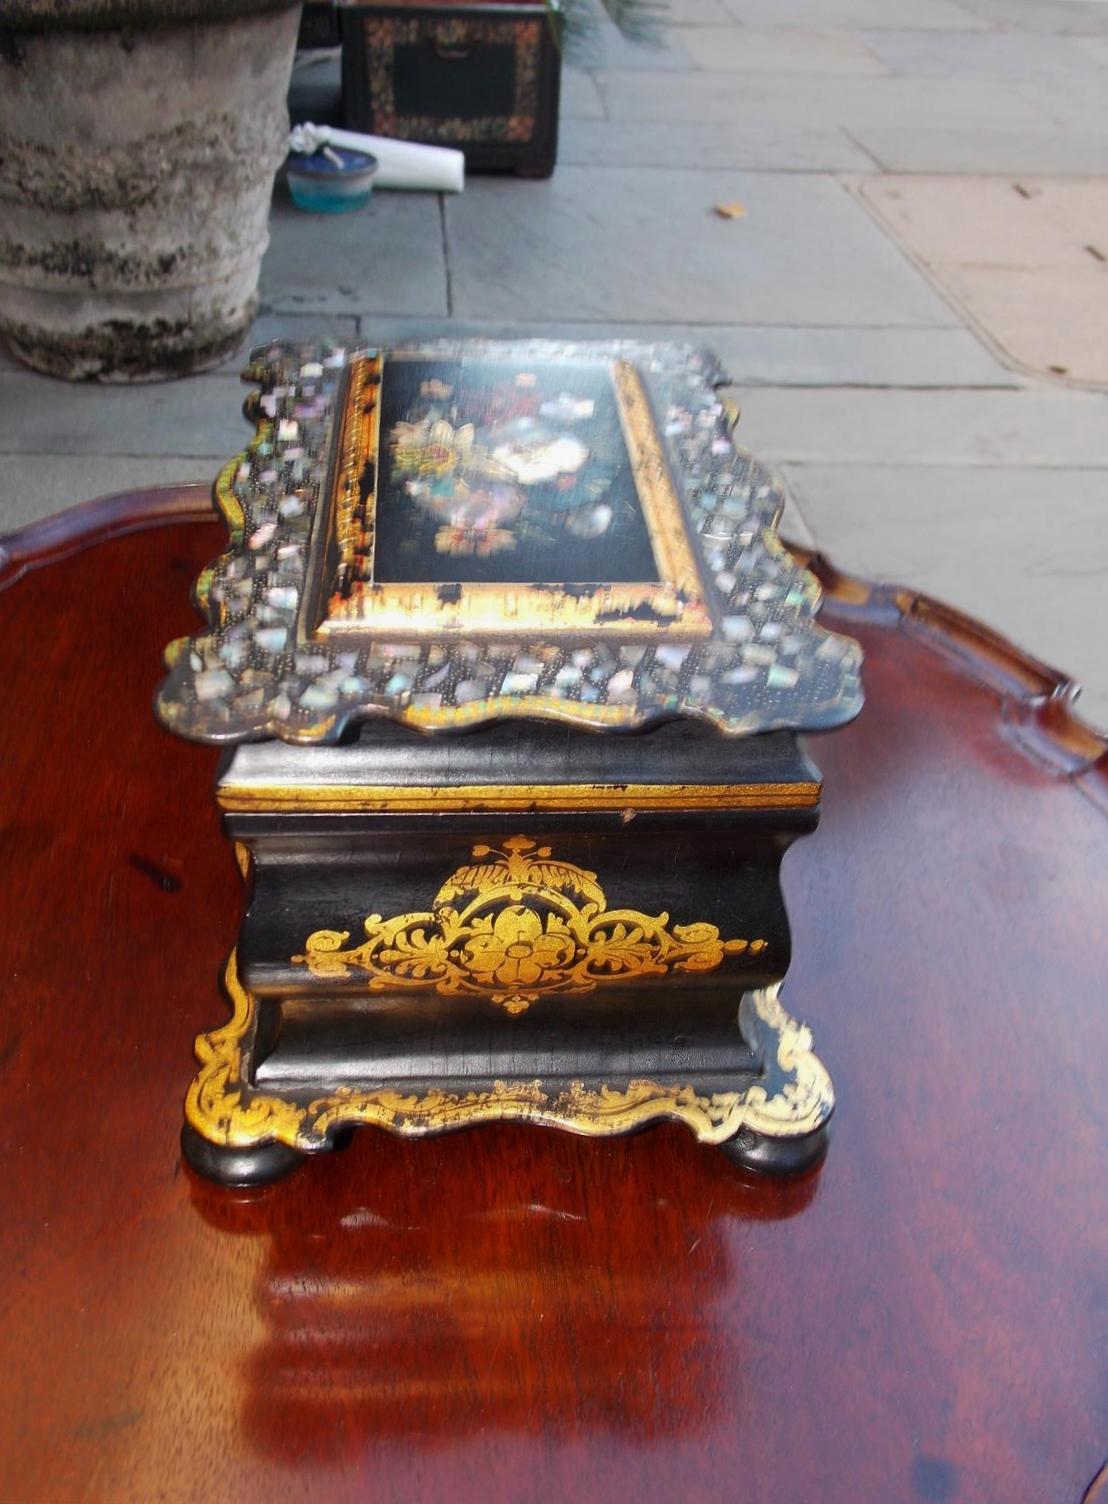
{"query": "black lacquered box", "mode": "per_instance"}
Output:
(511, 666)
(483, 78)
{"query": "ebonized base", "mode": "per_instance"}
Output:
(769, 1111)
(529, 924)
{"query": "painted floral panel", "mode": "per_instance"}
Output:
(496, 474)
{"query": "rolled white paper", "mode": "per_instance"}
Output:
(400, 164)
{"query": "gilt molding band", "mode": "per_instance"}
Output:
(508, 798)
(794, 1098)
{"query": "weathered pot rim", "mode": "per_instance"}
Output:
(35, 16)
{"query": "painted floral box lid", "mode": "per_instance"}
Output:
(452, 533)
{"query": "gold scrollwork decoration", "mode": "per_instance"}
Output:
(513, 926)
(793, 1098)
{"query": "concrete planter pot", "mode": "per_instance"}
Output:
(138, 146)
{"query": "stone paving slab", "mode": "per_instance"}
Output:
(1050, 320)
(697, 13)
(47, 483)
(1077, 103)
(689, 143)
(199, 416)
(1047, 150)
(987, 55)
(941, 358)
(645, 244)
(922, 15)
(1025, 258)
(962, 535)
(793, 49)
(1030, 426)
(1059, 17)
(816, 100)
(992, 221)
(1094, 47)
(387, 257)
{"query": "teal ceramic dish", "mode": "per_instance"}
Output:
(332, 180)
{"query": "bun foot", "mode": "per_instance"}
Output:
(231, 1166)
(776, 1156)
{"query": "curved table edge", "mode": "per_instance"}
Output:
(1037, 701)
(48, 540)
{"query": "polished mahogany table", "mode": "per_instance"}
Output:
(513, 1313)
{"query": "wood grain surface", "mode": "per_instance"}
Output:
(511, 1313)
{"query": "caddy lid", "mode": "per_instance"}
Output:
(458, 532)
